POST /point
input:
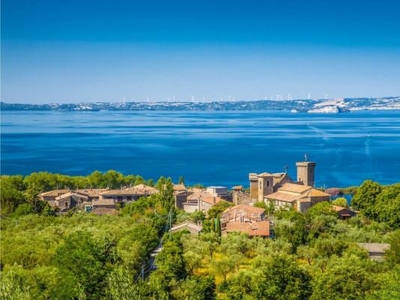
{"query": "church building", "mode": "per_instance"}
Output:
(282, 190)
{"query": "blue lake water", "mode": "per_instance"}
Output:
(211, 148)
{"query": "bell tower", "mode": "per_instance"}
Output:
(306, 172)
(265, 185)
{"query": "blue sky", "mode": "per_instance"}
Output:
(86, 51)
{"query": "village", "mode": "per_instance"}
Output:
(276, 189)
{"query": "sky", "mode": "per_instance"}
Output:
(114, 51)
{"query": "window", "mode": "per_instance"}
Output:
(268, 183)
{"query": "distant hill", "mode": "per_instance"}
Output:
(300, 105)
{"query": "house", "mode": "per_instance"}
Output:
(66, 199)
(88, 199)
(300, 197)
(246, 219)
(219, 191)
(50, 196)
(180, 195)
(376, 251)
(188, 225)
(199, 200)
(104, 207)
(240, 197)
(343, 212)
(70, 200)
(124, 196)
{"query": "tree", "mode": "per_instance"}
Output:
(96, 180)
(347, 277)
(388, 288)
(11, 193)
(365, 198)
(212, 240)
(139, 180)
(121, 285)
(23, 210)
(113, 179)
(292, 228)
(274, 277)
(308, 253)
(43, 282)
(241, 285)
(135, 245)
(282, 279)
(326, 247)
(216, 210)
(224, 266)
(388, 205)
(195, 288)
(393, 254)
(166, 193)
(340, 201)
(83, 259)
(192, 261)
(171, 259)
(236, 243)
(269, 208)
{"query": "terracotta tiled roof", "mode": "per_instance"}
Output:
(317, 193)
(246, 208)
(145, 188)
(375, 247)
(104, 211)
(211, 200)
(282, 196)
(103, 202)
(187, 224)
(70, 194)
(140, 189)
(280, 178)
(338, 208)
(294, 188)
(54, 193)
(196, 194)
(91, 192)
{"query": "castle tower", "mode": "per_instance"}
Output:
(253, 186)
(306, 172)
(265, 185)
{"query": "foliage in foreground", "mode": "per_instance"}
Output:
(83, 256)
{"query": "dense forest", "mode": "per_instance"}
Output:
(80, 255)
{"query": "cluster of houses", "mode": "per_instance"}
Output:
(278, 189)
(99, 201)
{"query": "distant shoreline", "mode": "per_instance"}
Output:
(295, 106)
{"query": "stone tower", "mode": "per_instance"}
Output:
(265, 185)
(306, 172)
(253, 186)
(260, 186)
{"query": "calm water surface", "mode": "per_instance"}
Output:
(212, 148)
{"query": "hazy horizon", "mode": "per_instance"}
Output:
(105, 51)
(190, 101)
